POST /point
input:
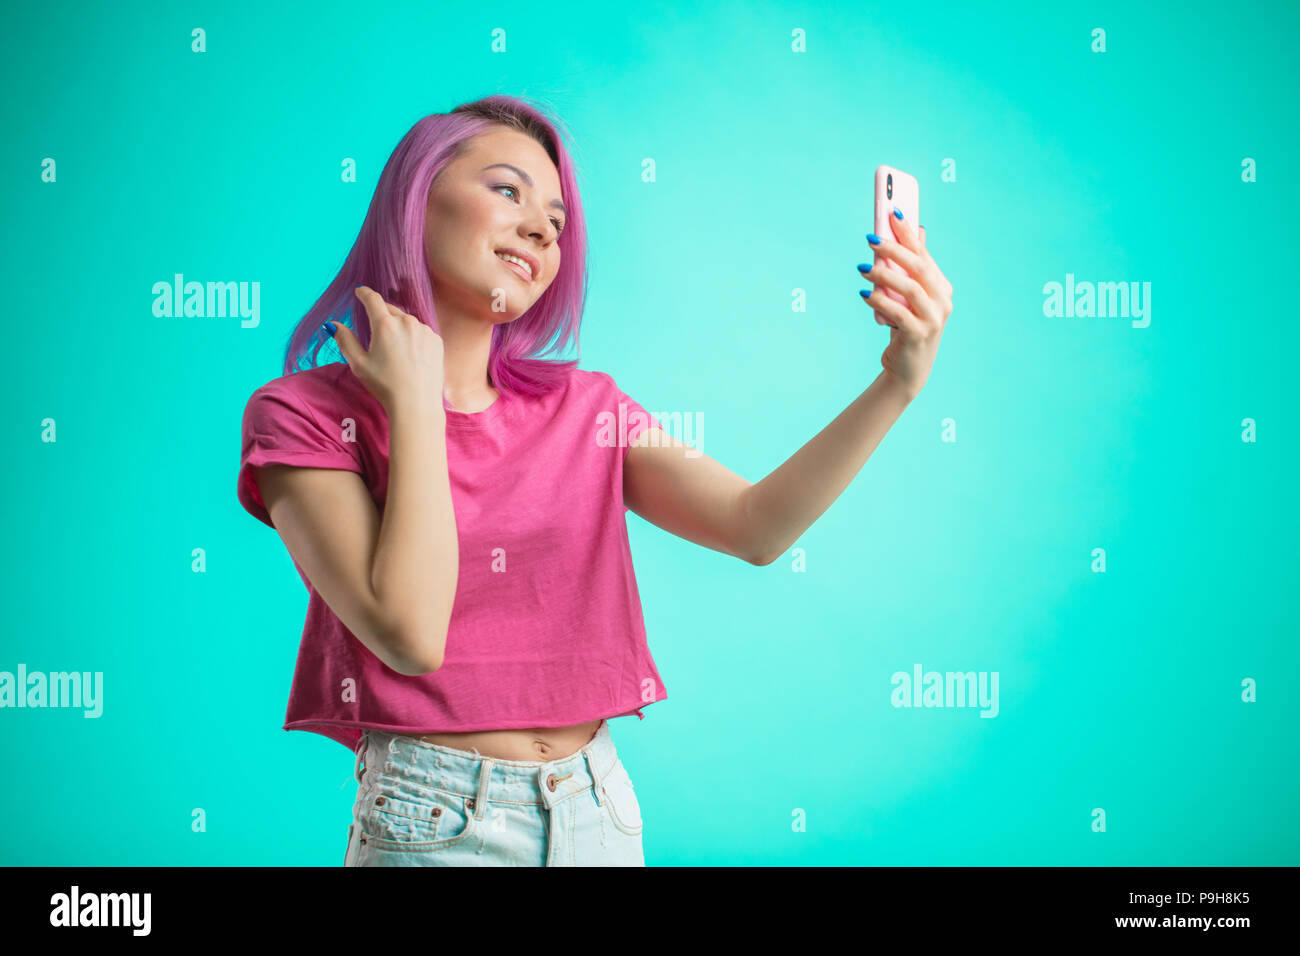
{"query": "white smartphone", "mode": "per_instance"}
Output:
(893, 188)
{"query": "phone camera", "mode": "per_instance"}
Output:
(889, 186)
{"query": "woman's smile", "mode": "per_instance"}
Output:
(516, 268)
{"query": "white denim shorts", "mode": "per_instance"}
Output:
(421, 804)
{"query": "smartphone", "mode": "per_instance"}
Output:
(893, 188)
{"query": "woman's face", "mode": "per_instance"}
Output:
(474, 212)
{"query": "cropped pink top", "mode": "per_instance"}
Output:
(546, 629)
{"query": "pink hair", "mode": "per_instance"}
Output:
(388, 255)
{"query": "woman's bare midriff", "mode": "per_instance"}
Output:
(535, 744)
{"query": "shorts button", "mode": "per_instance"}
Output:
(550, 783)
(469, 803)
(437, 811)
(379, 801)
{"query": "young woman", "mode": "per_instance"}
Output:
(455, 503)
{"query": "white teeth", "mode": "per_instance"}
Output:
(523, 262)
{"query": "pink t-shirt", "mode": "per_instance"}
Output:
(546, 629)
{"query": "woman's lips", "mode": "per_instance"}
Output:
(516, 268)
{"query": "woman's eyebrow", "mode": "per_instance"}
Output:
(528, 181)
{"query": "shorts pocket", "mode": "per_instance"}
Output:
(397, 821)
(620, 800)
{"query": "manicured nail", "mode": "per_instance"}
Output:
(865, 293)
(873, 239)
(329, 326)
(898, 212)
(864, 266)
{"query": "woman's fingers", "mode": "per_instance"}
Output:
(394, 310)
(349, 345)
(940, 280)
(908, 252)
(897, 253)
(377, 307)
(895, 313)
(906, 234)
(369, 300)
(882, 275)
(368, 297)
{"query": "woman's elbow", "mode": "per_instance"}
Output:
(413, 654)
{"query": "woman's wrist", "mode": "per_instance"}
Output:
(420, 409)
(896, 386)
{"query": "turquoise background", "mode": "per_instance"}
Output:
(1119, 690)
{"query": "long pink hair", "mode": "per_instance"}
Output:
(388, 255)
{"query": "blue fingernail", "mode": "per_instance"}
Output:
(873, 239)
(864, 266)
(328, 327)
(865, 293)
(898, 212)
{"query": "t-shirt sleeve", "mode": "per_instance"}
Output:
(280, 428)
(638, 419)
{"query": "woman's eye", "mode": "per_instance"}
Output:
(559, 226)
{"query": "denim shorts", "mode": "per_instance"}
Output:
(421, 804)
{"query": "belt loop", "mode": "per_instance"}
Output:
(595, 777)
(485, 774)
(361, 752)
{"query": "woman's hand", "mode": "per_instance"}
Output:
(404, 362)
(915, 328)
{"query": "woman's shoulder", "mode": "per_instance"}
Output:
(589, 380)
(322, 386)
(571, 386)
(586, 389)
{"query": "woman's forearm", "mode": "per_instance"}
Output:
(417, 557)
(786, 503)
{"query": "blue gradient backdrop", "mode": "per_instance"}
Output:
(1119, 690)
